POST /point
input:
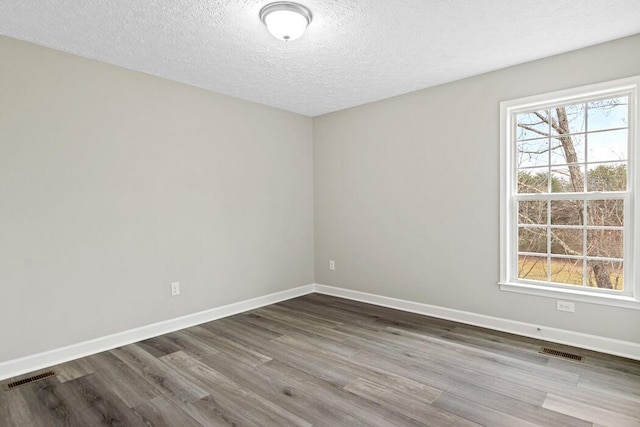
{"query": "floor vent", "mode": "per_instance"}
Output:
(29, 380)
(561, 354)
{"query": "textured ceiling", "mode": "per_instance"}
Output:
(354, 51)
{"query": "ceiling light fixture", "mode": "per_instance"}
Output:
(285, 20)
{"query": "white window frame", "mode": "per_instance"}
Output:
(509, 281)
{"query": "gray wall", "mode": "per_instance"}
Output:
(115, 183)
(407, 193)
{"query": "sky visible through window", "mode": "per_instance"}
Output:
(575, 148)
(607, 121)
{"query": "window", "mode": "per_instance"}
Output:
(568, 179)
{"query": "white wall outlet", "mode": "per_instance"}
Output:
(566, 306)
(175, 289)
(332, 265)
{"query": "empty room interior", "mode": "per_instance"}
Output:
(354, 213)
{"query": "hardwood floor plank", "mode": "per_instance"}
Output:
(161, 411)
(191, 345)
(158, 346)
(480, 360)
(400, 385)
(324, 361)
(618, 403)
(336, 344)
(228, 324)
(282, 326)
(589, 412)
(590, 368)
(159, 375)
(478, 413)
(324, 366)
(608, 388)
(437, 372)
(344, 370)
(451, 351)
(394, 383)
(297, 318)
(414, 405)
(95, 404)
(72, 370)
(15, 411)
(499, 348)
(370, 413)
(500, 400)
(177, 341)
(248, 335)
(283, 393)
(50, 403)
(229, 347)
(441, 346)
(615, 381)
(127, 384)
(327, 366)
(237, 400)
(211, 411)
(307, 306)
(379, 315)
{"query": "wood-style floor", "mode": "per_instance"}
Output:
(325, 361)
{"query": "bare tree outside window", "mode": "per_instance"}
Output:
(577, 156)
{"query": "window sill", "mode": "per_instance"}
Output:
(572, 295)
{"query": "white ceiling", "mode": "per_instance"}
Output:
(354, 51)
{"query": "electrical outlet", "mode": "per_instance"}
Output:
(175, 289)
(566, 306)
(332, 265)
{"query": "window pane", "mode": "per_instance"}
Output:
(607, 146)
(607, 177)
(605, 274)
(533, 180)
(532, 125)
(532, 212)
(608, 114)
(608, 213)
(567, 212)
(571, 160)
(534, 152)
(532, 239)
(605, 243)
(568, 119)
(567, 149)
(566, 241)
(532, 267)
(566, 271)
(566, 179)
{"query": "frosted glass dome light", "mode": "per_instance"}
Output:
(284, 20)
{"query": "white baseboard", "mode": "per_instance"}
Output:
(561, 336)
(46, 359)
